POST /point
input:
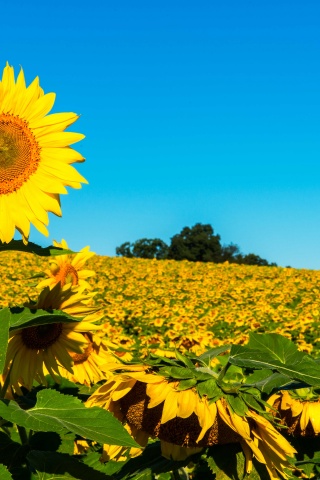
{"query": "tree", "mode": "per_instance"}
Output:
(197, 244)
(124, 250)
(144, 248)
(150, 248)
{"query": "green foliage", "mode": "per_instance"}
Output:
(55, 412)
(144, 248)
(196, 244)
(276, 353)
(4, 473)
(31, 247)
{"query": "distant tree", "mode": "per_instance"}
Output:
(125, 250)
(144, 248)
(253, 259)
(197, 244)
(230, 253)
(150, 248)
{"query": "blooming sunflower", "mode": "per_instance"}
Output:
(299, 410)
(35, 156)
(87, 365)
(185, 422)
(35, 351)
(68, 268)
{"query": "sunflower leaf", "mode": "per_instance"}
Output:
(55, 412)
(31, 247)
(183, 359)
(181, 373)
(275, 346)
(237, 404)
(4, 473)
(206, 357)
(4, 336)
(23, 317)
(276, 353)
(186, 384)
(209, 388)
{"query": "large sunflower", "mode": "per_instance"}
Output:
(35, 156)
(36, 351)
(68, 268)
(186, 422)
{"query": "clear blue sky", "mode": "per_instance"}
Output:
(193, 111)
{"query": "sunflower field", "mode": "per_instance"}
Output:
(116, 368)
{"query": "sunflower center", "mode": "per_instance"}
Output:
(67, 274)
(42, 336)
(19, 153)
(81, 357)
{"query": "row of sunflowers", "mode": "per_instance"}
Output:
(147, 370)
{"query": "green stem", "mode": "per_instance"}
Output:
(23, 435)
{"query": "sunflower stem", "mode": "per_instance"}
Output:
(23, 435)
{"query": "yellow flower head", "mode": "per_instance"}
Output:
(35, 351)
(35, 156)
(300, 415)
(68, 268)
(185, 422)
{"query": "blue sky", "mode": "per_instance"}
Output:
(202, 111)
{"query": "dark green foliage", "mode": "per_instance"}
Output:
(144, 248)
(196, 244)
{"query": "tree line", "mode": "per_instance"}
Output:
(196, 244)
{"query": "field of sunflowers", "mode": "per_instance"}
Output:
(160, 305)
(160, 340)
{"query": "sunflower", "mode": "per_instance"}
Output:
(299, 410)
(35, 156)
(68, 268)
(35, 351)
(184, 422)
(87, 365)
(120, 454)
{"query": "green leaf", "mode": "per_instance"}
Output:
(92, 459)
(186, 384)
(60, 464)
(298, 367)
(4, 337)
(185, 360)
(252, 402)
(206, 357)
(237, 404)
(55, 412)
(22, 317)
(209, 388)
(4, 473)
(181, 373)
(275, 346)
(258, 376)
(276, 381)
(31, 247)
